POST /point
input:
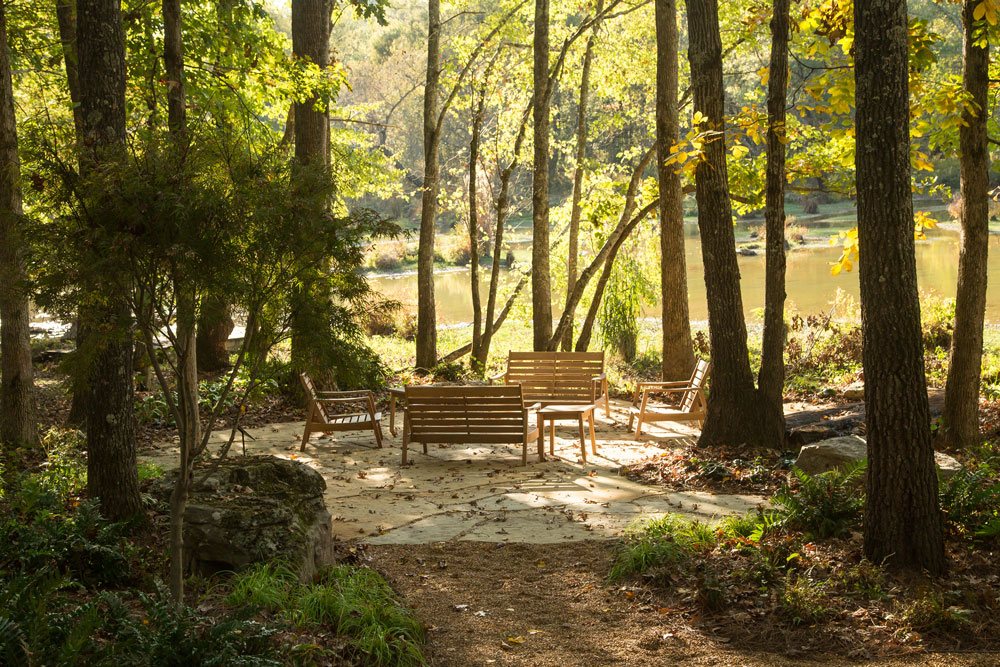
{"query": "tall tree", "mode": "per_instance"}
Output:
(426, 312)
(311, 40)
(678, 353)
(771, 378)
(581, 155)
(733, 414)
(541, 287)
(112, 473)
(185, 344)
(17, 411)
(903, 523)
(961, 400)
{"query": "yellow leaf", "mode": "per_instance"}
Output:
(516, 640)
(980, 11)
(835, 269)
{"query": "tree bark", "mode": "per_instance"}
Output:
(541, 287)
(733, 415)
(581, 155)
(960, 420)
(310, 40)
(426, 311)
(17, 400)
(902, 525)
(111, 457)
(771, 378)
(678, 353)
(66, 17)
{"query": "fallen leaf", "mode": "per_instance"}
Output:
(516, 640)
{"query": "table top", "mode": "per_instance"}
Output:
(568, 408)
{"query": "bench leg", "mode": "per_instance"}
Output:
(593, 436)
(583, 440)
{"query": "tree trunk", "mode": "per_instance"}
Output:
(477, 308)
(678, 353)
(215, 324)
(961, 399)
(541, 288)
(902, 525)
(17, 400)
(66, 18)
(771, 379)
(310, 40)
(111, 459)
(581, 155)
(733, 415)
(426, 311)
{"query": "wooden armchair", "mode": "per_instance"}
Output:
(691, 407)
(323, 417)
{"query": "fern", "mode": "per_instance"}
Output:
(829, 504)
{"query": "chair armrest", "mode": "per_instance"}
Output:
(500, 376)
(680, 383)
(666, 390)
(330, 400)
(599, 378)
(334, 394)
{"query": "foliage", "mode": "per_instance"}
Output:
(354, 602)
(802, 600)
(826, 505)
(970, 501)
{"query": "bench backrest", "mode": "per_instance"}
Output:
(555, 377)
(697, 382)
(466, 414)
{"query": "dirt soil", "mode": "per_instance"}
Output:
(543, 604)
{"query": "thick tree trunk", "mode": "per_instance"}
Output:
(17, 401)
(581, 155)
(771, 379)
(902, 525)
(477, 308)
(541, 286)
(678, 353)
(215, 324)
(310, 40)
(426, 311)
(733, 415)
(111, 459)
(961, 399)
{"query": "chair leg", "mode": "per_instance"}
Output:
(638, 427)
(425, 448)
(607, 402)
(552, 437)
(583, 440)
(306, 431)
(392, 414)
(631, 418)
(378, 434)
(540, 424)
(406, 441)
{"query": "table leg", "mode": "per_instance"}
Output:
(392, 414)
(583, 440)
(552, 437)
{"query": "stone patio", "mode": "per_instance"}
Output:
(482, 493)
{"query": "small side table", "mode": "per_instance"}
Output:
(394, 393)
(554, 413)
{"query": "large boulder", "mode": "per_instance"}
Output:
(834, 453)
(252, 509)
(854, 391)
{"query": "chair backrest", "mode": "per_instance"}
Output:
(555, 377)
(308, 386)
(694, 386)
(466, 414)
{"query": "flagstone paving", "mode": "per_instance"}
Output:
(482, 493)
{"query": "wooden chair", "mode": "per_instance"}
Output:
(692, 401)
(558, 378)
(322, 416)
(467, 415)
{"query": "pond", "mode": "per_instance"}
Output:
(809, 286)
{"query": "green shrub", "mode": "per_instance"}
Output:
(802, 600)
(267, 586)
(970, 500)
(864, 579)
(826, 505)
(930, 613)
(666, 540)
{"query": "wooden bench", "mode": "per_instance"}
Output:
(558, 378)
(691, 407)
(468, 415)
(323, 416)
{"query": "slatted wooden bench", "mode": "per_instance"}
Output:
(323, 415)
(558, 378)
(467, 415)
